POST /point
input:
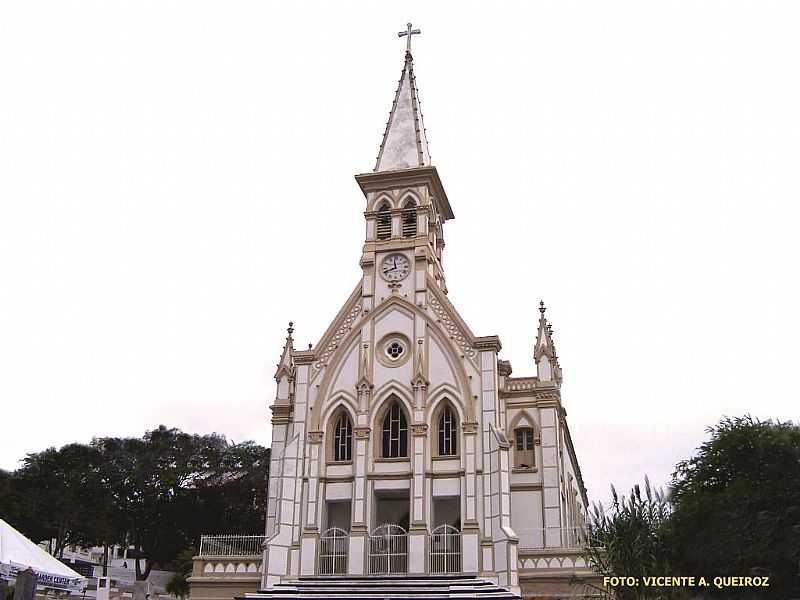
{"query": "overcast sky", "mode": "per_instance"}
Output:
(176, 184)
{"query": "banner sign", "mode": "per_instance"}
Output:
(59, 582)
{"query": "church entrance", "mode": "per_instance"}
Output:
(334, 540)
(445, 544)
(388, 541)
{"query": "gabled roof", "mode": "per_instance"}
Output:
(404, 144)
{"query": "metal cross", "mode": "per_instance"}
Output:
(408, 32)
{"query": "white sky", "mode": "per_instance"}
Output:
(176, 183)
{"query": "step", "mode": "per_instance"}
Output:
(385, 587)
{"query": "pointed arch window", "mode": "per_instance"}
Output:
(409, 219)
(523, 448)
(448, 432)
(343, 439)
(384, 222)
(395, 433)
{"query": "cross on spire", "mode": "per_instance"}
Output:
(408, 33)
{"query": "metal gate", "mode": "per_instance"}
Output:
(445, 550)
(332, 558)
(388, 550)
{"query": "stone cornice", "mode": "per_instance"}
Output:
(304, 357)
(419, 243)
(488, 342)
(281, 413)
(504, 368)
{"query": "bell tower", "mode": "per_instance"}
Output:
(406, 203)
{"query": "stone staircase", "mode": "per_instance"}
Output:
(386, 587)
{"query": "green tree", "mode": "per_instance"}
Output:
(631, 539)
(178, 584)
(737, 507)
(160, 492)
(56, 495)
(172, 486)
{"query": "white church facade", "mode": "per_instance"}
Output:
(402, 446)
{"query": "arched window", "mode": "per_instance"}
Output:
(448, 433)
(409, 219)
(523, 448)
(395, 432)
(384, 222)
(343, 439)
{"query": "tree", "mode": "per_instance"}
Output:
(737, 507)
(178, 584)
(160, 492)
(56, 494)
(631, 539)
(172, 486)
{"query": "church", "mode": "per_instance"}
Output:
(407, 461)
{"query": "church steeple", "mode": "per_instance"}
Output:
(406, 203)
(404, 144)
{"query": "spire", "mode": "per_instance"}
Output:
(544, 353)
(286, 364)
(404, 144)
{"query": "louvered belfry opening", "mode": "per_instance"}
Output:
(409, 219)
(384, 222)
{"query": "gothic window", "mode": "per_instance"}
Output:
(523, 448)
(448, 433)
(343, 439)
(384, 222)
(395, 433)
(409, 219)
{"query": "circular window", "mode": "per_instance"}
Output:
(395, 350)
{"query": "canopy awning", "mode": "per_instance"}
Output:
(18, 553)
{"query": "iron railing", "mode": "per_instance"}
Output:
(333, 546)
(388, 550)
(444, 555)
(231, 545)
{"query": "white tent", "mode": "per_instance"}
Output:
(18, 553)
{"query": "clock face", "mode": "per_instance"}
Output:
(395, 267)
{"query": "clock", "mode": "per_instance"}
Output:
(395, 267)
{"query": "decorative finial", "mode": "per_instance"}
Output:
(290, 329)
(541, 307)
(408, 32)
